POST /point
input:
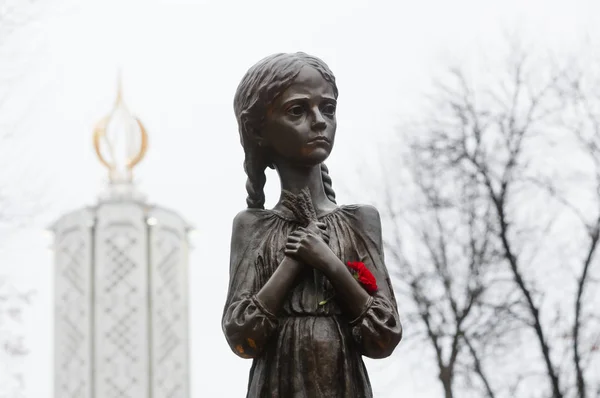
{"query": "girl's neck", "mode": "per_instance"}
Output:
(294, 179)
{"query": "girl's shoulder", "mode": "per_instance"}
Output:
(363, 212)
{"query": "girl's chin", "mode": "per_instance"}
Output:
(314, 158)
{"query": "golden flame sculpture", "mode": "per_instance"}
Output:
(120, 141)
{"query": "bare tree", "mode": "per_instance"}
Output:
(503, 249)
(580, 86)
(448, 264)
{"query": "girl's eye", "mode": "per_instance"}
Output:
(328, 109)
(296, 110)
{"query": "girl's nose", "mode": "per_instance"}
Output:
(319, 122)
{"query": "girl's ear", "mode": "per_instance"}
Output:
(250, 129)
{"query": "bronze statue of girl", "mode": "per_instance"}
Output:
(294, 304)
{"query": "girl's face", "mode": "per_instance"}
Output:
(300, 125)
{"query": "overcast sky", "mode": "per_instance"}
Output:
(181, 63)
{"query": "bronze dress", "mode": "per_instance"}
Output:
(308, 350)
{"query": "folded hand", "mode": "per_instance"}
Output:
(310, 245)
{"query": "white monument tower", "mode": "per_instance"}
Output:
(121, 296)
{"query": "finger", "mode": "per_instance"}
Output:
(291, 252)
(293, 238)
(322, 232)
(311, 231)
(320, 228)
(291, 246)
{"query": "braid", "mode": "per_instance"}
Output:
(327, 183)
(255, 170)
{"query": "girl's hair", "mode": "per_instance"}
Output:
(261, 85)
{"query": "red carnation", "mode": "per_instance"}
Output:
(363, 276)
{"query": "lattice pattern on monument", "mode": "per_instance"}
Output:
(169, 317)
(121, 310)
(121, 264)
(73, 312)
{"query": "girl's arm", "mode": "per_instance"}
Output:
(250, 316)
(375, 323)
(307, 246)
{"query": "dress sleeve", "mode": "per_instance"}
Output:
(246, 323)
(378, 330)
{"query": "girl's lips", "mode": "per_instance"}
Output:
(319, 139)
